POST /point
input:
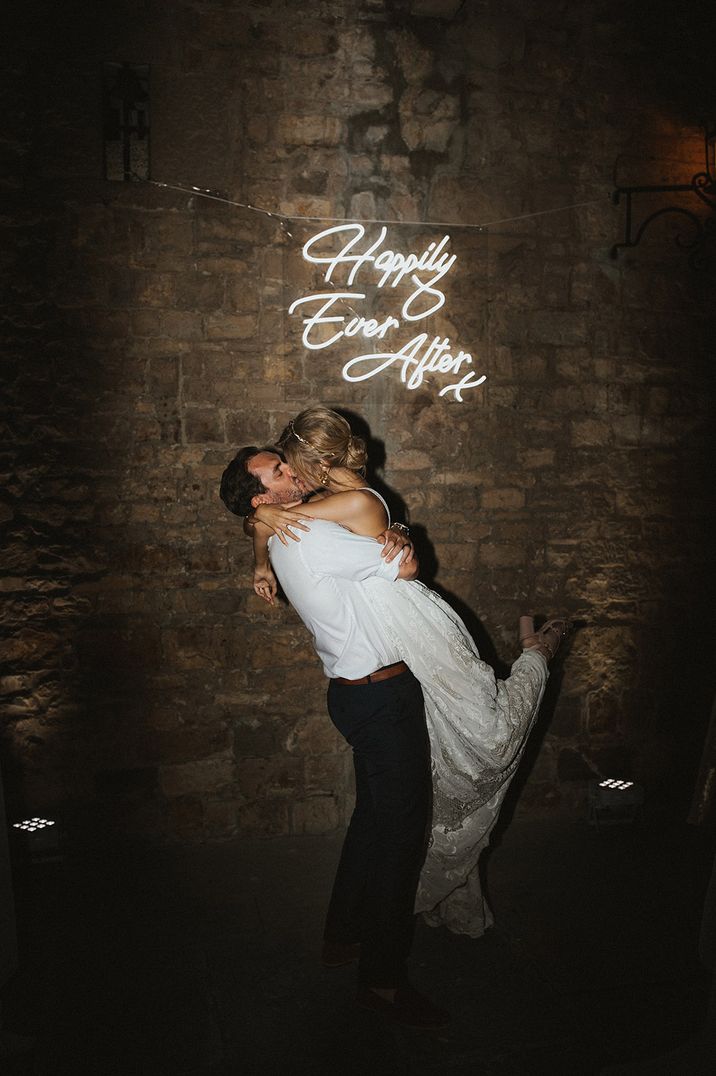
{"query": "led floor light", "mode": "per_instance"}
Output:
(614, 801)
(31, 824)
(40, 837)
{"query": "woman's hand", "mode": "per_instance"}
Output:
(394, 543)
(279, 518)
(265, 583)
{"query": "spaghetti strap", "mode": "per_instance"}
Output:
(369, 489)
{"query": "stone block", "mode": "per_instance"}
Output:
(503, 498)
(316, 130)
(363, 206)
(455, 556)
(197, 646)
(257, 736)
(410, 460)
(231, 327)
(168, 232)
(185, 818)
(629, 429)
(314, 734)
(427, 118)
(306, 679)
(247, 428)
(199, 291)
(502, 554)
(282, 647)
(589, 432)
(29, 647)
(221, 820)
(415, 60)
(180, 325)
(315, 814)
(209, 775)
(202, 424)
(266, 818)
(145, 323)
(560, 327)
(468, 200)
(154, 289)
(534, 458)
(261, 778)
(329, 773)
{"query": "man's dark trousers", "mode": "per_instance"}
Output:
(374, 891)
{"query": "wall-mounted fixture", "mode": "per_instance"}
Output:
(702, 185)
(125, 120)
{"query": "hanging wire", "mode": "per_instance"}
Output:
(281, 218)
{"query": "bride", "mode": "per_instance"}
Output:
(478, 725)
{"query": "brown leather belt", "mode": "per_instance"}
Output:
(380, 674)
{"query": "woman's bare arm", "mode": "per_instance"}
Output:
(355, 509)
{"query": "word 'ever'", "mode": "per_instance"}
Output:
(325, 321)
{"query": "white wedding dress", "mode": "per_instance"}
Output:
(478, 726)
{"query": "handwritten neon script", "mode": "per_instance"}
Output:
(426, 271)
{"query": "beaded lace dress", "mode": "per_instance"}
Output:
(478, 727)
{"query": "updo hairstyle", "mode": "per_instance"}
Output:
(319, 439)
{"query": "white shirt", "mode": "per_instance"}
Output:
(328, 577)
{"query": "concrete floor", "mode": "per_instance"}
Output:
(203, 961)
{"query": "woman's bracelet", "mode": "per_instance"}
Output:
(402, 528)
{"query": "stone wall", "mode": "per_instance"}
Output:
(147, 337)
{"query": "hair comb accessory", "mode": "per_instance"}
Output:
(297, 435)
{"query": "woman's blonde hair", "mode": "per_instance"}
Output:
(319, 439)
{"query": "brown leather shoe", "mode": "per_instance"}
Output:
(336, 954)
(410, 1008)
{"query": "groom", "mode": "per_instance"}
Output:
(376, 703)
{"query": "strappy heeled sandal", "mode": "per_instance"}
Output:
(546, 639)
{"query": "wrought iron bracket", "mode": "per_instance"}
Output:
(702, 185)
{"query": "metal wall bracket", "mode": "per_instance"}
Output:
(701, 229)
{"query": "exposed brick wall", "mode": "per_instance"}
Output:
(147, 338)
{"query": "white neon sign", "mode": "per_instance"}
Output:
(426, 271)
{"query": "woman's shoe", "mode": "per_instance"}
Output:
(545, 639)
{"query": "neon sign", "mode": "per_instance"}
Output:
(388, 268)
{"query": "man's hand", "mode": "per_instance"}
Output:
(265, 584)
(394, 543)
(279, 518)
(409, 571)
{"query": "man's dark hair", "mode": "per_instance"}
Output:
(237, 485)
